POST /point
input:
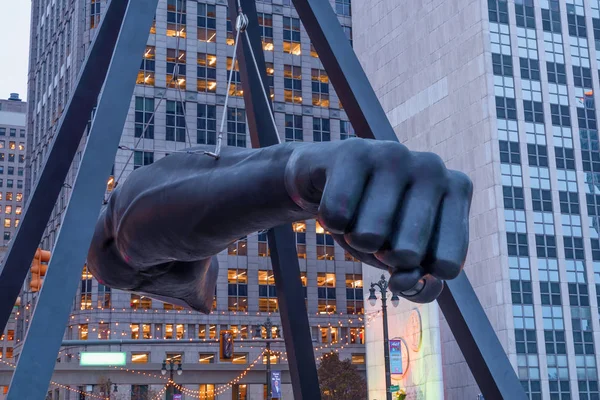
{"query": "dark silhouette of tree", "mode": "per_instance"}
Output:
(340, 380)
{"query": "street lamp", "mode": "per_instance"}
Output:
(383, 288)
(268, 325)
(173, 366)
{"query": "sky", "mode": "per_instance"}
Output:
(14, 47)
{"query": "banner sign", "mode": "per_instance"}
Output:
(396, 357)
(275, 384)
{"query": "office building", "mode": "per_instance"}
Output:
(505, 91)
(179, 97)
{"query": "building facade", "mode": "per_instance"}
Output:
(178, 101)
(505, 91)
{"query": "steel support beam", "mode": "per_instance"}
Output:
(42, 343)
(470, 326)
(60, 156)
(282, 242)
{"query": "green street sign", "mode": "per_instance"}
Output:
(103, 359)
(394, 388)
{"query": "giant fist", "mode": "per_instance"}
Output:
(389, 207)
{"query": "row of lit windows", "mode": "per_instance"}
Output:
(12, 145)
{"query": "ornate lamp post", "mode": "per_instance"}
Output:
(268, 325)
(383, 288)
(173, 366)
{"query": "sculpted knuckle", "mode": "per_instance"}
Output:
(462, 182)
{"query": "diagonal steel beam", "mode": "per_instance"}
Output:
(470, 326)
(282, 242)
(42, 343)
(60, 156)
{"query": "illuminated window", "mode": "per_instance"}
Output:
(212, 331)
(292, 84)
(176, 68)
(238, 248)
(139, 358)
(207, 73)
(206, 358)
(202, 332)
(12, 145)
(293, 128)
(304, 280)
(291, 36)
(263, 245)
(18, 210)
(140, 302)
(103, 331)
(169, 306)
(207, 392)
(7, 209)
(7, 223)
(207, 23)
(83, 332)
(326, 292)
(358, 358)
(343, 7)
(103, 296)
(10, 334)
(266, 25)
(174, 356)
(9, 196)
(153, 27)
(239, 331)
(135, 331)
(176, 127)
(206, 132)
(300, 230)
(236, 127)
(168, 331)
(324, 333)
(236, 86)
(238, 289)
(240, 358)
(354, 294)
(321, 130)
(86, 290)
(357, 336)
(325, 246)
(313, 51)
(176, 18)
(267, 294)
(95, 12)
(21, 146)
(346, 130)
(146, 73)
(9, 352)
(144, 121)
(320, 88)
(274, 358)
(2, 142)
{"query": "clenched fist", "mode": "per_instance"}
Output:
(396, 210)
(389, 208)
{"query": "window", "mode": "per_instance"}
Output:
(21, 146)
(176, 127)
(230, 40)
(541, 199)
(103, 296)
(176, 65)
(538, 155)
(206, 358)
(144, 121)
(139, 392)
(292, 84)
(240, 358)
(525, 14)
(7, 223)
(509, 152)
(6, 236)
(348, 31)
(582, 77)
(19, 197)
(83, 332)
(267, 300)
(320, 88)
(325, 246)
(556, 73)
(139, 358)
(103, 331)
(498, 11)
(207, 73)
(346, 130)
(502, 65)
(207, 23)
(146, 73)
(271, 78)
(551, 17)
(140, 302)
(141, 158)
(236, 84)
(291, 36)
(326, 292)
(506, 108)
(239, 332)
(300, 231)
(237, 289)
(354, 294)
(176, 18)
(313, 51)
(207, 391)
(13, 132)
(560, 115)
(86, 290)
(266, 25)
(236, 127)
(9, 196)
(534, 111)
(513, 198)
(95, 13)
(293, 128)
(207, 124)
(517, 244)
(321, 130)
(576, 21)
(569, 202)
(21, 158)
(343, 7)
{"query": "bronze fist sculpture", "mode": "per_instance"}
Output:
(387, 206)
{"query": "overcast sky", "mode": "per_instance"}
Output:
(14, 47)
